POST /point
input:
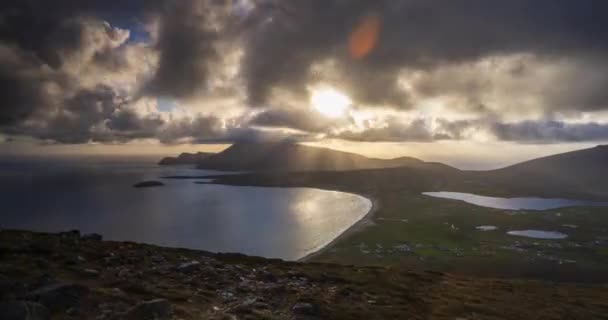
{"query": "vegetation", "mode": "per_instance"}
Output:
(121, 280)
(419, 232)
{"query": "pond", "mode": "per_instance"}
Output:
(538, 234)
(527, 203)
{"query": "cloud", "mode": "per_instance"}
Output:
(550, 131)
(304, 120)
(529, 131)
(187, 34)
(397, 129)
(414, 35)
(73, 71)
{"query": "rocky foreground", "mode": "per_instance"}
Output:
(74, 276)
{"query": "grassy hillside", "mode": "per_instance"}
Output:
(581, 171)
(76, 277)
(416, 231)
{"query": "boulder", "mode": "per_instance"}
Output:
(93, 237)
(23, 310)
(188, 266)
(9, 288)
(93, 273)
(304, 308)
(59, 297)
(157, 309)
(248, 306)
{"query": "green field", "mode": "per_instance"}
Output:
(420, 232)
(425, 232)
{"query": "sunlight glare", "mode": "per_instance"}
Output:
(330, 102)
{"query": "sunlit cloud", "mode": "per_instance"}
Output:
(358, 70)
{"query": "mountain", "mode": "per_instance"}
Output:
(581, 171)
(185, 158)
(586, 162)
(284, 156)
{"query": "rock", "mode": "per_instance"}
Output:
(148, 184)
(188, 266)
(157, 309)
(23, 310)
(92, 237)
(224, 316)
(70, 234)
(123, 273)
(304, 308)
(244, 307)
(59, 296)
(248, 306)
(226, 295)
(90, 272)
(267, 276)
(9, 287)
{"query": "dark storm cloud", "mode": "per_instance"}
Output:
(304, 120)
(414, 34)
(37, 40)
(550, 131)
(48, 28)
(22, 90)
(51, 55)
(63, 64)
(97, 114)
(185, 42)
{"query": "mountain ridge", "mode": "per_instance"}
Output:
(583, 170)
(185, 158)
(287, 156)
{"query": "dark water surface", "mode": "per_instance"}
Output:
(98, 196)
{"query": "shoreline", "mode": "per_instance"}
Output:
(359, 225)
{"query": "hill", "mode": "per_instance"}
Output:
(185, 158)
(295, 157)
(583, 163)
(69, 276)
(576, 172)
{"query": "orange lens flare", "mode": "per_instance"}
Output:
(365, 37)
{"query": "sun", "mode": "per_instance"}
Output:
(330, 102)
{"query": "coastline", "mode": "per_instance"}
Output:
(361, 224)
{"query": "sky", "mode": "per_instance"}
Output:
(474, 83)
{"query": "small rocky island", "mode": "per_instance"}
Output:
(148, 184)
(74, 276)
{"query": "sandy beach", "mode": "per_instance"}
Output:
(362, 223)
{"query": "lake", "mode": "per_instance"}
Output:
(538, 234)
(98, 196)
(527, 203)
